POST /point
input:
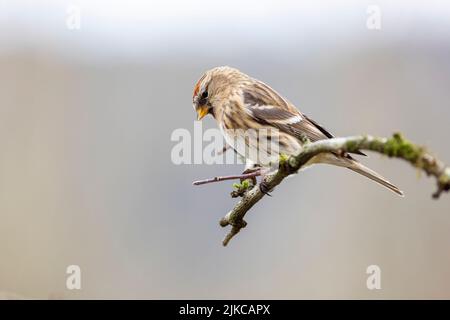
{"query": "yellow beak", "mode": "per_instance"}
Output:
(202, 112)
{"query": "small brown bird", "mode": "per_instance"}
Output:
(241, 104)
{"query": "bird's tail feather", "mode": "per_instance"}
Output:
(359, 168)
(369, 173)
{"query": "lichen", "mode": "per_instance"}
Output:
(443, 183)
(398, 146)
(444, 178)
(376, 145)
(283, 158)
(304, 139)
(352, 146)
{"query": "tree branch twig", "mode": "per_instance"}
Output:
(223, 178)
(395, 147)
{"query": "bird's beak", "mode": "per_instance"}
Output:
(202, 111)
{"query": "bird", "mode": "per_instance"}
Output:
(241, 104)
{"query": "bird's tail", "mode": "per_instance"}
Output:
(361, 169)
(369, 173)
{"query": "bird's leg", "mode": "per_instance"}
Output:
(263, 184)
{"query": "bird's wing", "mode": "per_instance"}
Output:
(266, 106)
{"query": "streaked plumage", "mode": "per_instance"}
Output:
(241, 104)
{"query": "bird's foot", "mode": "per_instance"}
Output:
(264, 188)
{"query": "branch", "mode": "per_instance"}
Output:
(223, 178)
(395, 147)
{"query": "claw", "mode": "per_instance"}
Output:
(264, 188)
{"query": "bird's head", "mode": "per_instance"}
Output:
(212, 88)
(201, 97)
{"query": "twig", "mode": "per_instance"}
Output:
(396, 147)
(223, 178)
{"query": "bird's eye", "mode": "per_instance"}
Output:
(205, 94)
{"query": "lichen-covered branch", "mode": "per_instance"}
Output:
(396, 147)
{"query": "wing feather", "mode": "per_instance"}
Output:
(266, 106)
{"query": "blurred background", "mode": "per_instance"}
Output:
(90, 92)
